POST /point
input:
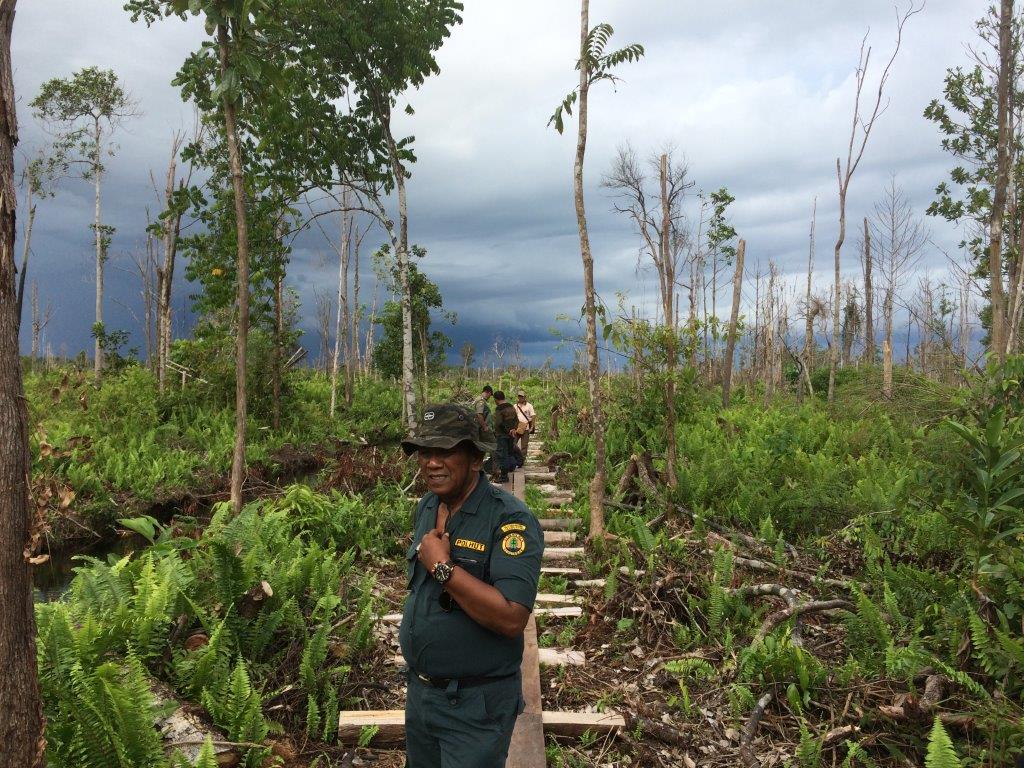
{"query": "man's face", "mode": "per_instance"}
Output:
(521, 399)
(487, 395)
(448, 471)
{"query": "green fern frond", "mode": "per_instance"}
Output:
(941, 753)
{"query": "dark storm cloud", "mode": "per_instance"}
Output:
(757, 96)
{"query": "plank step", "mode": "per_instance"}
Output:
(390, 724)
(549, 597)
(558, 523)
(559, 537)
(562, 553)
(566, 612)
(558, 571)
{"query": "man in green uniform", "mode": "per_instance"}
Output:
(505, 422)
(473, 569)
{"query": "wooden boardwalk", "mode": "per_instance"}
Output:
(560, 554)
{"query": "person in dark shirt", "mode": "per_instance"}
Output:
(473, 569)
(505, 422)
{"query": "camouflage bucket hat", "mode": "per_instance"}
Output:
(445, 426)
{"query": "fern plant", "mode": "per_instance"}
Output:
(941, 753)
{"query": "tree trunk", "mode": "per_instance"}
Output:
(21, 724)
(277, 362)
(341, 314)
(242, 233)
(30, 206)
(869, 300)
(734, 314)
(887, 368)
(809, 310)
(997, 342)
(37, 323)
(165, 277)
(833, 359)
(352, 360)
(98, 230)
(668, 280)
(597, 483)
(402, 254)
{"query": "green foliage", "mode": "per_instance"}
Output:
(431, 344)
(598, 65)
(111, 634)
(941, 753)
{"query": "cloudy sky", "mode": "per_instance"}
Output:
(756, 95)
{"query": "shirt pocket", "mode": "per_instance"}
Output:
(474, 565)
(410, 557)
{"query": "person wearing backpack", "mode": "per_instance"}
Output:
(505, 423)
(527, 415)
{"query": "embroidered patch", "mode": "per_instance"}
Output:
(509, 527)
(470, 544)
(513, 544)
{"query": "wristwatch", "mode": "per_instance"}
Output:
(443, 571)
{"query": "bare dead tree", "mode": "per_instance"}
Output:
(146, 267)
(40, 319)
(869, 297)
(899, 238)
(730, 343)
(860, 132)
(656, 215)
(809, 309)
(324, 309)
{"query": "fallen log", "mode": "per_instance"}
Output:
(750, 732)
(815, 606)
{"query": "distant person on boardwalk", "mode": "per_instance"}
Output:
(480, 407)
(527, 420)
(505, 423)
(474, 566)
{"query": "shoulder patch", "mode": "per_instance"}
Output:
(509, 527)
(470, 544)
(513, 544)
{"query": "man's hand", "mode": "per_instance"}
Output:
(435, 547)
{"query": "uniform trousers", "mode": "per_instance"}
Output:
(461, 728)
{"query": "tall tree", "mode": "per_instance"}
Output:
(869, 298)
(40, 177)
(85, 109)
(594, 65)
(995, 231)
(657, 215)
(968, 119)
(21, 724)
(898, 237)
(860, 132)
(730, 343)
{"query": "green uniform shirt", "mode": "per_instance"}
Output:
(496, 538)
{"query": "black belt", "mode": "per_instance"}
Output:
(463, 682)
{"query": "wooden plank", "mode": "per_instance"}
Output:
(562, 553)
(559, 571)
(527, 747)
(557, 657)
(559, 537)
(559, 523)
(572, 612)
(577, 723)
(546, 597)
(519, 485)
(391, 723)
(588, 583)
